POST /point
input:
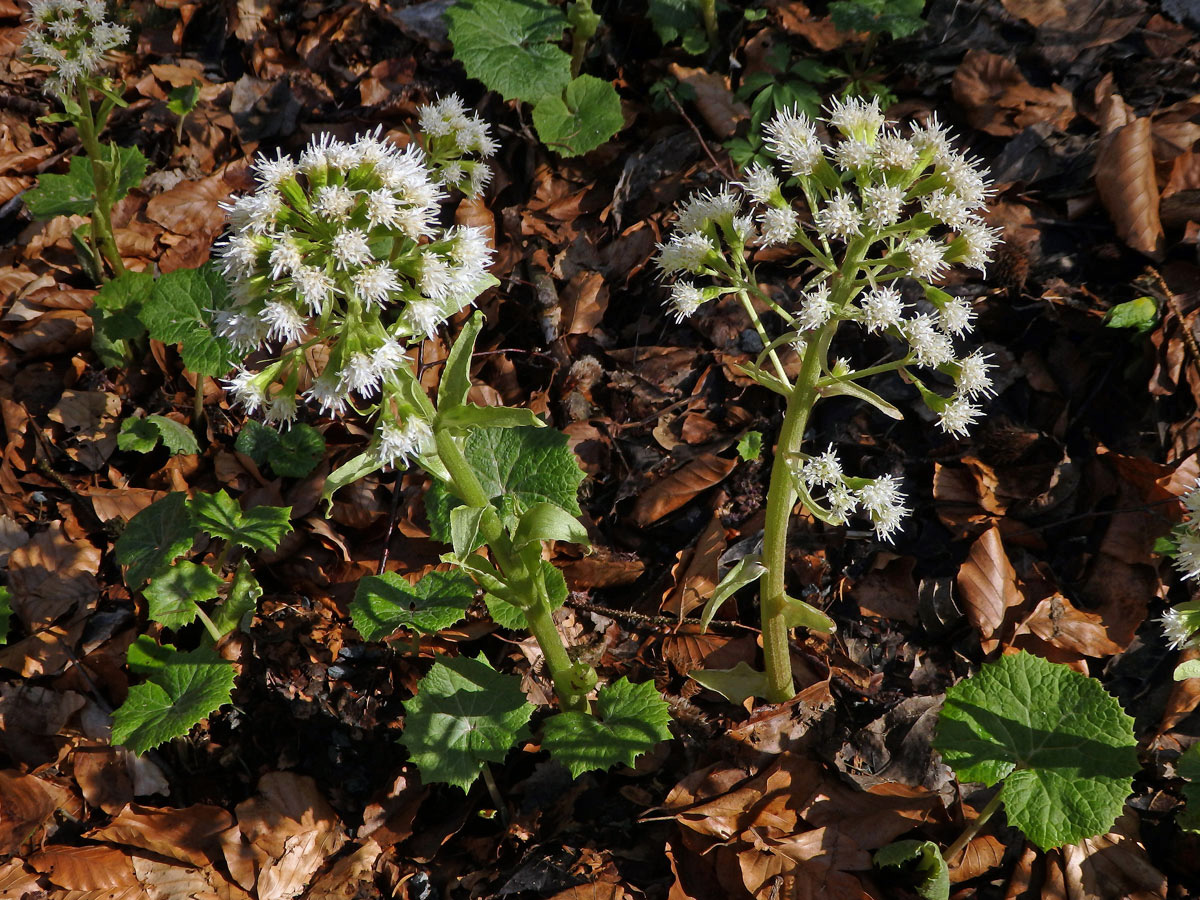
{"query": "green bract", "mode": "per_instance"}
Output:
(465, 715)
(1063, 748)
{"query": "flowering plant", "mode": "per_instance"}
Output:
(1181, 623)
(880, 210)
(339, 267)
(74, 38)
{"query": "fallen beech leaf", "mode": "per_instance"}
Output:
(979, 856)
(696, 571)
(25, 806)
(714, 100)
(190, 834)
(999, 100)
(1057, 622)
(1037, 12)
(988, 585)
(675, 490)
(52, 575)
(92, 868)
(597, 890)
(192, 206)
(1126, 180)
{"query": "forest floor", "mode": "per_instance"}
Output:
(1037, 532)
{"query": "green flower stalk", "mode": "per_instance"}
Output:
(74, 38)
(884, 210)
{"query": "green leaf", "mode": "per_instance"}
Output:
(117, 307)
(464, 529)
(180, 310)
(468, 416)
(383, 603)
(464, 715)
(798, 614)
(548, 522)
(518, 468)
(456, 375)
(130, 167)
(241, 601)
(1188, 767)
(1063, 747)
(155, 538)
(1188, 669)
(630, 719)
(173, 594)
(672, 19)
(146, 656)
(508, 615)
(73, 194)
(749, 445)
(924, 861)
(737, 685)
(348, 473)
(584, 116)
(509, 46)
(291, 454)
(219, 515)
(183, 690)
(899, 18)
(857, 391)
(746, 570)
(183, 99)
(1140, 314)
(5, 613)
(143, 435)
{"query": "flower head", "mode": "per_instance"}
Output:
(74, 38)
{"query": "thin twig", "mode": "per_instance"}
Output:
(1189, 339)
(696, 131)
(654, 621)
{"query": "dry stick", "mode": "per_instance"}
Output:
(656, 621)
(1189, 339)
(699, 136)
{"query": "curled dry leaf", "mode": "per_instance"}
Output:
(52, 575)
(1125, 177)
(999, 100)
(675, 490)
(714, 99)
(988, 585)
(26, 806)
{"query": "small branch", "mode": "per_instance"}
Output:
(728, 173)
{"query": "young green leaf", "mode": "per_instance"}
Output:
(518, 468)
(116, 312)
(1187, 669)
(630, 719)
(549, 522)
(507, 615)
(173, 594)
(899, 18)
(1063, 747)
(183, 690)
(749, 445)
(924, 861)
(219, 515)
(1139, 314)
(74, 194)
(183, 99)
(673, 19)
(465, 538)
(349, 472)
(584, 116)
(241, 601)
(383, 603)
(143, 435)
(1188, 767)
(464, 715)
(291, 454)
(746, 570)
(5, 613)
(155, 538)
(180, 311)
(468, 416)
(509, 46)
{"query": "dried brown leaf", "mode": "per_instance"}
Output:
(714, 100)
(51, 575)
(988, 585)
(91, 868)
(999, 100)
(1126, 180)
(25, 806)
(675, 490)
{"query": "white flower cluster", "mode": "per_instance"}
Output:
(338, 261)
(451, 133)
(878, 499)
(72, 37)
(1181, 623)
(881, 205)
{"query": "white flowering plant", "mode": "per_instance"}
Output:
(1181, 623)
(75, 39)
(339, 268)
(868, 211)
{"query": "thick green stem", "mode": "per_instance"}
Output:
(102, 230)
(209, 626)
(781, 493)
(951, 852)
(198, 403)
(708, 11)
(584, 22)
(526, 580)
(781, 497)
